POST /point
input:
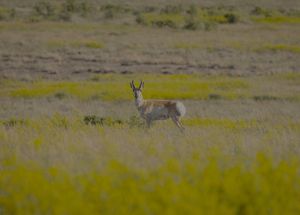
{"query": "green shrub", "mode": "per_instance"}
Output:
(258, 11)
(172, 9)
(69, 6)
(214, 96)
(93, 120)
(231, 18)
(136, 121)
(60, 95)
(44, 9)
(63, 11)
(209, 26)
(265, 98)
(192, 11)
(164, 23)
(115, 8)
(84, 8)
(60, 121)
(109, 14)
(140, 19)
(160, 20)
(34, 19)
(102, 121)
(191, 24)
(149, 9)
(13, 122)
(111, 10)
(7, 14)
(65, 16)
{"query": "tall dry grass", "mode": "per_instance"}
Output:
(60, 165)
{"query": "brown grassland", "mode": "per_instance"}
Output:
(71, 139)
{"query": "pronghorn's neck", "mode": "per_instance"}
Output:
(139, 100)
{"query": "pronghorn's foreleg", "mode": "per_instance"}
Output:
(178, 123)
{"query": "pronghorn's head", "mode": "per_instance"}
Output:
(137, 91)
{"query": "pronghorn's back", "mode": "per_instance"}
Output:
(165, 107)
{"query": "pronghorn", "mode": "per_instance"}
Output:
(152, 110)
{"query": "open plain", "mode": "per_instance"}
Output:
(71, 138)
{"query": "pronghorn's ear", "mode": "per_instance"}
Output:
(132, 85)
(142, 84)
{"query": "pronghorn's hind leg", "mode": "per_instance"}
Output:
(178, 123)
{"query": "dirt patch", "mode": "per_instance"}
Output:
(68, 67)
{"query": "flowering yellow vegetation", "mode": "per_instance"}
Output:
(62, 166)
(114, 87)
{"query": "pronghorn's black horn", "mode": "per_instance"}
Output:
(141, 84)
(132, 84)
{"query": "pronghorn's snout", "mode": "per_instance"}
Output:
(137, 93)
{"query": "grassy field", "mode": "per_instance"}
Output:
(112, 87)
(239, 154)
(72, 141)
(59, 166)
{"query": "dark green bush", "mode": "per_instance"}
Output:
(136, 122)
(140, 19)
(111, 7)
(192, 11)
(65, 16)
(258, 11)
(44, 9)
(265, 98)
(214, 96)
(13, 122)
(149, 9)
(111, 11)
(6, 13)
(102, 121)
(72, 6)
(60, 95)
(231, 18)
(84, 8)
(191, 24)
(69, 6)
(209, 25)
(194, 24)
(164, 23)
(109, 14)
(93, 120)
(63, 11)
(172, 9)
